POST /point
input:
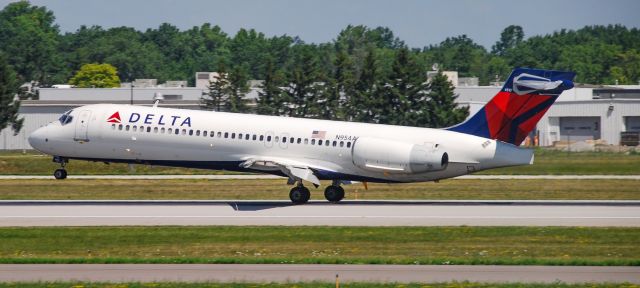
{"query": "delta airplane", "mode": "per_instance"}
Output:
(307, 149)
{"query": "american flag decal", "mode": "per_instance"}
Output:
(318, 134)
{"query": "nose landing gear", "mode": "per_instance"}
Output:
(60, 173)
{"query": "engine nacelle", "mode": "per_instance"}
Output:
(382, 155)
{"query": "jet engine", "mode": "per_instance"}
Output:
(383, 155)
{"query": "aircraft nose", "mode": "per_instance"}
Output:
(38, 138)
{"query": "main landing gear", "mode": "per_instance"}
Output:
(334, 193)
(60, 173)
(300, 194)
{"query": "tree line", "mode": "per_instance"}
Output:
(365, 74)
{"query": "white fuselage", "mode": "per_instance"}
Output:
(231, 141)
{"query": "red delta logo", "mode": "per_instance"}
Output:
(115, 118)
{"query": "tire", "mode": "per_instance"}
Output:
(334, 193)
(299, 195)
(60, 174)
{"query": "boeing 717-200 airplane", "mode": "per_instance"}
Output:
(308, 149)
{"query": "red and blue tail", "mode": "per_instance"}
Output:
(513, 113)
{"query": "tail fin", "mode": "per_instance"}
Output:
(513, 113)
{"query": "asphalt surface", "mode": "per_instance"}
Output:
(262, 176)
(346, 213)
(324, 273)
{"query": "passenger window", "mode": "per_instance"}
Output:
(284, 139)
(306, 141)
(204, 133)
(341, 143)
(335, 143)
(254, 137)
(170, 131)
(277, 139)
(348, 144)
(219, 134)
(261, 137)
(190, 132)
(233, 135)
(162, 130)
(134, 128)
(320, 142)
(246, 137)
(120, 127)
(126, 128)
(177, 131)
(184, 131)
(226, 134)
(268, 138)
(211, 134)
(291, 140)
(299, 140)
(155, 129)
(240, 136)
(148, 129)
(113, 126)
(197, 132)
(313, 141)
(141, 128)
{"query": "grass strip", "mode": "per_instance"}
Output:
(277, 189)
(323, 245)
(313, 285)
(546, 162)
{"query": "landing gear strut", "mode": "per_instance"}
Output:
(60, 173)
(299, 194)
(334, 193)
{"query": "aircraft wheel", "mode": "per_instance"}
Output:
(60, 174)
(299, 195)
(334, 193)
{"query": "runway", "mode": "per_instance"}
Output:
(346, 213)
(263, 176)
(324, 273)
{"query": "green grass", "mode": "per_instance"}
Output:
(312, 285)
(323, 245)
(277, 189)
(546, 162)
(552, 162)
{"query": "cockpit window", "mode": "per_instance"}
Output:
(66, 118)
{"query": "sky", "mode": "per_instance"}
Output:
(418, 23)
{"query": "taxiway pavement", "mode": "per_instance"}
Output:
(324, 273)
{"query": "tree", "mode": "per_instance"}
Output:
(304, 90)
(339, 87)
(218, 96)
(271, 99)
(9, 104)
(404, 93)
(237, 88)
(30, 39)
(362, 104)
(96, 76)
(443, 111)
(509, 39)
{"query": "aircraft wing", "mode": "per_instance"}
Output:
(294, 168)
